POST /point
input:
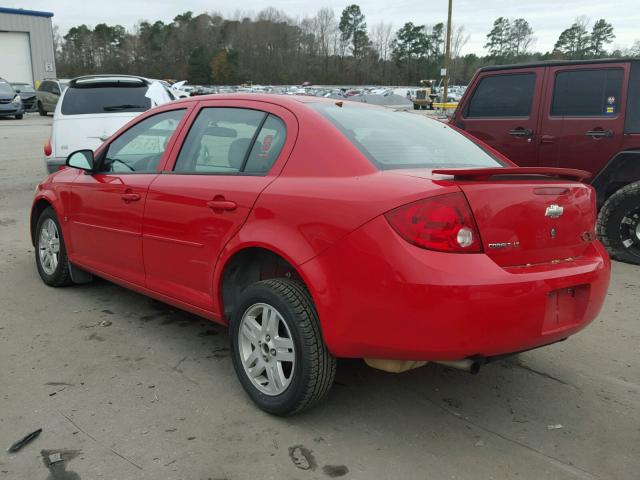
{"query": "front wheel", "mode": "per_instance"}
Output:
(41, 110)
(51, 254)
(619, 224)
(19, 116)
(277, 347)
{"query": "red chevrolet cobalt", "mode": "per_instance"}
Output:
(319, 229)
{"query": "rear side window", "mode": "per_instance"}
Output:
(579, 93)
(44, 86)
(398, 139)
(502, 96)
(230, 141)
(105, 99)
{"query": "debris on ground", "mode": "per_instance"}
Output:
(55, 458)
(23, 441)
(105, 323)
(554, 427)
(302, 457)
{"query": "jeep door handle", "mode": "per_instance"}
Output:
(222, 205)
(521, 132)
(130, 197)
(599, 133)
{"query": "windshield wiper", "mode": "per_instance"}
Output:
(112, 108)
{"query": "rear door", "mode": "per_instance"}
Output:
(502, 111)
(582, 123)
(232, 151)
(106, 207)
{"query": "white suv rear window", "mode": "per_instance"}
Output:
(107, 98)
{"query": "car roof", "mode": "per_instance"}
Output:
(557, 63)
(276, 98)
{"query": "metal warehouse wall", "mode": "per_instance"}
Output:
(40, 32)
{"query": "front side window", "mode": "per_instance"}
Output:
(582, 93)
(502, 96)
(399, 139)
(230, 141)
(140, 149)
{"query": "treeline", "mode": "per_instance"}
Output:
(272, 48)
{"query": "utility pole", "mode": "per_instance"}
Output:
(447, 57)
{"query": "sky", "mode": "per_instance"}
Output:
(547, 17)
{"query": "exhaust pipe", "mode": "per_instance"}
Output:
(468, 365)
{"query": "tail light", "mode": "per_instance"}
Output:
(47, 148)
(443, 223)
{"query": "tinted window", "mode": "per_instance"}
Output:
(219, 140)
(502, 96)
(140, 148)
(587, 92)
(105, 99)
(399, 139)
(267, 147)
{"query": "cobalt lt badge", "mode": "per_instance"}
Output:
(553, 232)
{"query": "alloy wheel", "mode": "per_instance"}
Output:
(49, 246)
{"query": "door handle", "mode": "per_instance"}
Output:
(521, 132)
(130, 197)
(222, 204)
(547, 139)
(599, 133)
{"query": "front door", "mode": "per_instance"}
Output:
(583, 115)
(503, 112)
(197, 206)
(106, 207)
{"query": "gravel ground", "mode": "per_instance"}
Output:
(127, 388)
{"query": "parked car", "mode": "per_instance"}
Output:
(319, 229)
(580, 114)
(91, 109)
(27, 94)
(10, 101)
(48, 94)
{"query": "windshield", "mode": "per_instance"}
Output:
(399, 139)
(6, 89)
(105, 99)
(23, 87)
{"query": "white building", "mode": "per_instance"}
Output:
(26, 45)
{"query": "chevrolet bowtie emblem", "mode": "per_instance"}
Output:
(554, 211)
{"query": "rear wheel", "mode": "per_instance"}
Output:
(51, 254)
(277, 348)
(416, 106)
(41, 110)
(19, 117)
(619, 224)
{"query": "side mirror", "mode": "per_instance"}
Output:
(82, 159)
(17, 90)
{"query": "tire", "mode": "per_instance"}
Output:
(416, 106)
(618, 225)
(41, 110)
(58, 274)
(311, 369)
(19, 117)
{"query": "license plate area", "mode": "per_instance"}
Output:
(565, 308)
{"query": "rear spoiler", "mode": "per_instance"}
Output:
(487, 173)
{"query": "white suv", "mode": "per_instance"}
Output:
(92, 109)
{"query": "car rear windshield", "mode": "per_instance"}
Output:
(105, 98)
(393, 139)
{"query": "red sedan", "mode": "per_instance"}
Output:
(319, 229)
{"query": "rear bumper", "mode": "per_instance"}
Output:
(380, 297)
(53, 164)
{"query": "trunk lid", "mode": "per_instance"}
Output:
(527, 215)
(530, 215)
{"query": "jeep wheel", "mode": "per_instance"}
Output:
(619, 224)
(277, 347)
